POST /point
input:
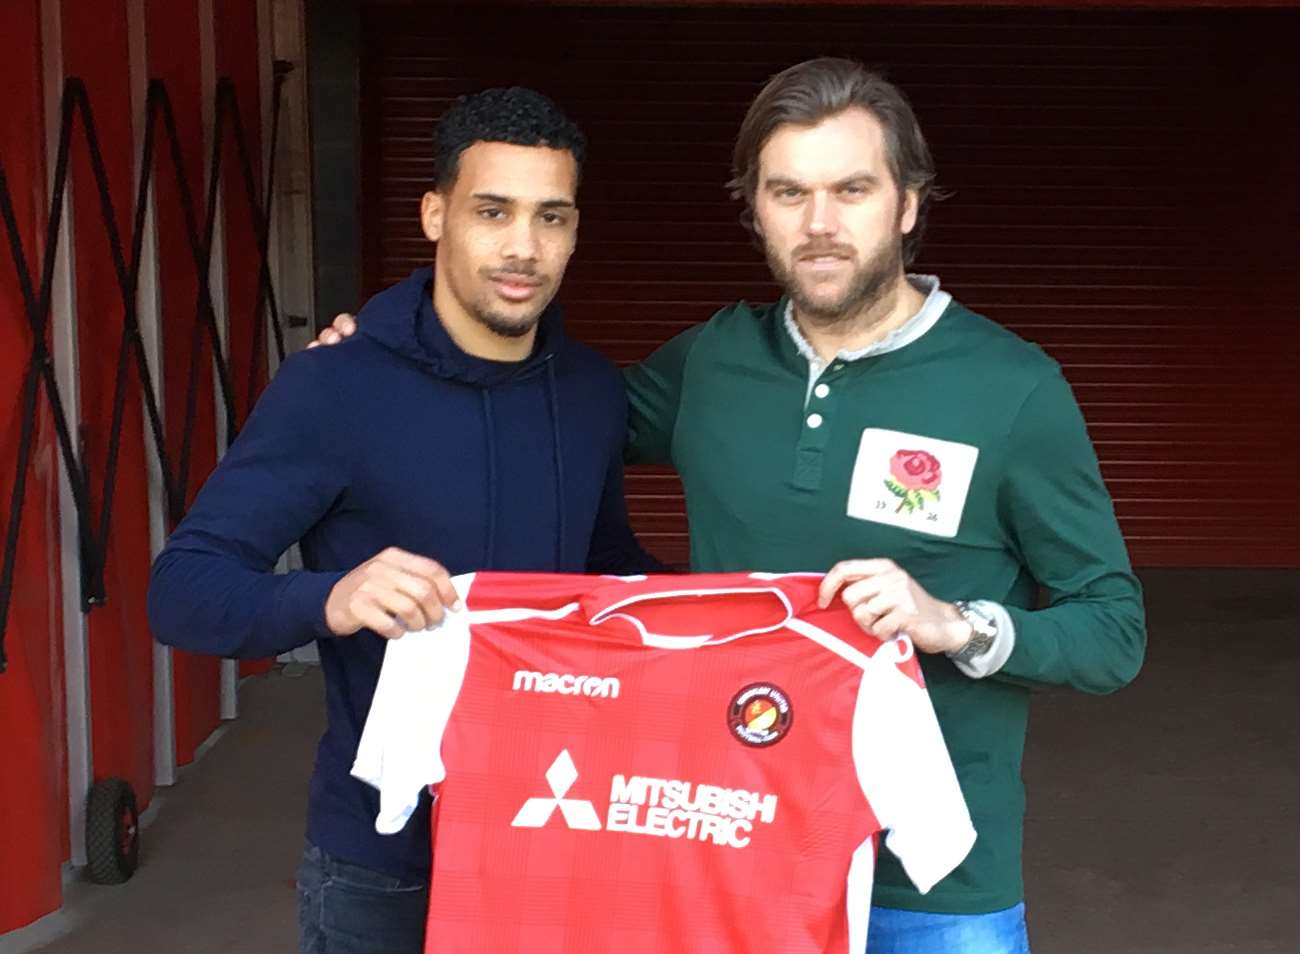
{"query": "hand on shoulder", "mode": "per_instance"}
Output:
(343, 326)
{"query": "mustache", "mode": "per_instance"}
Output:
(816, 248)
(514, 271)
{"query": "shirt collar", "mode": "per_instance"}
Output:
(935, 304)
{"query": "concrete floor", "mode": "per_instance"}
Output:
(1165, 819)
(218, 858)
(1162, 820)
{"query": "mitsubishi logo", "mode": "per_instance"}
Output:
(577, 813)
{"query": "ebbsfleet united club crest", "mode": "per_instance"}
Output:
(760, 714)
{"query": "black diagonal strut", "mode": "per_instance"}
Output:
(202, 326)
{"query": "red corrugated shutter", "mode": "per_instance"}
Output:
(33, 776)
(119, 650)
(1124, 194)
(173, 41)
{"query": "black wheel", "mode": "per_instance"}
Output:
(112, 832)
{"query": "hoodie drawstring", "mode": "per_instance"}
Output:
(557, 459)
(490, 439)
(558, 456)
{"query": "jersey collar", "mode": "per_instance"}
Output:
(618, 601)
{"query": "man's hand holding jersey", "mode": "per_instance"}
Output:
(392, 593)
(886, 601)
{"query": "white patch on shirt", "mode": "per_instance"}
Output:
(928, 494)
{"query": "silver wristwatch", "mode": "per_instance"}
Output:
(984, 630)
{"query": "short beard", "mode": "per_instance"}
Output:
(499, 323)
(866, 288)
(503, 326)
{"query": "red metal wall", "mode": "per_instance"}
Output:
(174, 40)
(187, 367)
(120, 649)
(1123, 193)
(95, 48)
(237, 59)
(33, 794)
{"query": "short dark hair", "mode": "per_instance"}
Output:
(514, 114)
(809, 92)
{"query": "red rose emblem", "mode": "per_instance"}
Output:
(916, 470)
(914, 477)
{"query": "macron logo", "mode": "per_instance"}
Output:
(576, 812)
(565, 684)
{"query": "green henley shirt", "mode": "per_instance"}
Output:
(1003, 501)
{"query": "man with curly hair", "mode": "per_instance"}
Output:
(460, 425)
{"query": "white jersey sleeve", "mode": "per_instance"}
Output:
(400, 752)
(905, 772)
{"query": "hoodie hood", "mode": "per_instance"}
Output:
(401, 319)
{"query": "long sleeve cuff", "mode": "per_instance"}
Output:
(301, 608)
(986, 664)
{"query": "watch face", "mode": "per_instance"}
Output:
(980, 622)
(983, 631)
(979, 644)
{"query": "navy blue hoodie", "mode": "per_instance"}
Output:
(394, 438)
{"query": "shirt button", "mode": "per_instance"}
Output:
(814, 421)
(837, 367)
(821, 390)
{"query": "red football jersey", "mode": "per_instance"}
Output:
(696, 764)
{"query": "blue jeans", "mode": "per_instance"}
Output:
(891, 931)
(346, 909)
